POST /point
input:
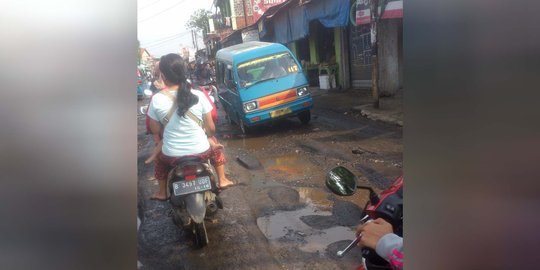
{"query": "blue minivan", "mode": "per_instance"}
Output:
(259, 82)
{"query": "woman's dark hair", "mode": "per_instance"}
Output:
(173, 68)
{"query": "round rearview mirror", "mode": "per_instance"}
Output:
(148, 92)
(341, 181)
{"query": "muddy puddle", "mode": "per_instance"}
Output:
(315, 196)
(257, 143)
(287, 227)
(291, 165)
(324, 199)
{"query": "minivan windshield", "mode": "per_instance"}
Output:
(266, 68)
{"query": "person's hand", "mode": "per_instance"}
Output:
(215, 146)
(372, 231)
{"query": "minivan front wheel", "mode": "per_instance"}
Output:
(243, 127)
(304, 117)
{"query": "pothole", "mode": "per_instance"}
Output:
(288, 227)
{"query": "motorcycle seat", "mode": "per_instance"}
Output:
(188, 159)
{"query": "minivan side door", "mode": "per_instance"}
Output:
(228, 91)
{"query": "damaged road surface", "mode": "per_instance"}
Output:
(281, 216)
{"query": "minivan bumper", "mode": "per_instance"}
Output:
(264, 116)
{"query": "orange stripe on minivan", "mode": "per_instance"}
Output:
(277, 99)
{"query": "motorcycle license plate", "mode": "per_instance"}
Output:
(188, 187)
(280, 112)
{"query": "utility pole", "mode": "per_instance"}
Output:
(192, 39)
(374, 10)
(195, 38)
(245, 13)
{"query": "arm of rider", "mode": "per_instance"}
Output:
(378, 235)
(208, 124)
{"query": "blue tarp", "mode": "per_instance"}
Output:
(293, 23)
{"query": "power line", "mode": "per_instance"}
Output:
(162, 45)
(164, 42)
(167, 9)
(148, 5)
(150, 43)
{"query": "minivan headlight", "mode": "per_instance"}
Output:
(250, 106)
(302, 91)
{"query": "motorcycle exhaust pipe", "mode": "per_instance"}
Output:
(211, 207)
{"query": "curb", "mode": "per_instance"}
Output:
(373, 115)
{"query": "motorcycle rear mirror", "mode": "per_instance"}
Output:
(148, 92)
(341, 181)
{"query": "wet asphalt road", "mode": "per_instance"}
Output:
(282, 216)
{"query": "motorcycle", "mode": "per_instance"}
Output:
(193, 192)
(194, 196)
(388, 205)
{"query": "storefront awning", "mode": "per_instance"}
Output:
(293, 23)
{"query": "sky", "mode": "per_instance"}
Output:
(161, 24)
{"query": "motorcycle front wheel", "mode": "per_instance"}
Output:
(199, 231)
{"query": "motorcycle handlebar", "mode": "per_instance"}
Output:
(342, 253)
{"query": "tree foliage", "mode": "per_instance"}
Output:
(199, 20)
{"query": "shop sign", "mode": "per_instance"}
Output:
(392, 10)
(260, 6)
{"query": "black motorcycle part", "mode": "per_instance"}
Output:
(201, 238)
(211, 208)
(391, 210)
(219, 202)
(374, 261)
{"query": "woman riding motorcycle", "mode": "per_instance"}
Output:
(186, 118)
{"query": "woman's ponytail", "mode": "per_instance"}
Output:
(174, 70)
(185, 99)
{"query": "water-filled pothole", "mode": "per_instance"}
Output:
(291, 166)
(288, 227)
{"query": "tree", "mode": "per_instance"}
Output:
(199, 20)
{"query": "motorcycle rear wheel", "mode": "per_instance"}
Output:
(201, 237)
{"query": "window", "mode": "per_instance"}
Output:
(266, 68)
(229, 77)
(220, 73)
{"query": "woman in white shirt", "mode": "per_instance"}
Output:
(182, 135)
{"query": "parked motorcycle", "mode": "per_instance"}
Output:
(388, 205)
(194, 196)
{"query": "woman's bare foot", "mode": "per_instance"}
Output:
(225, 182)
(150, 159)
